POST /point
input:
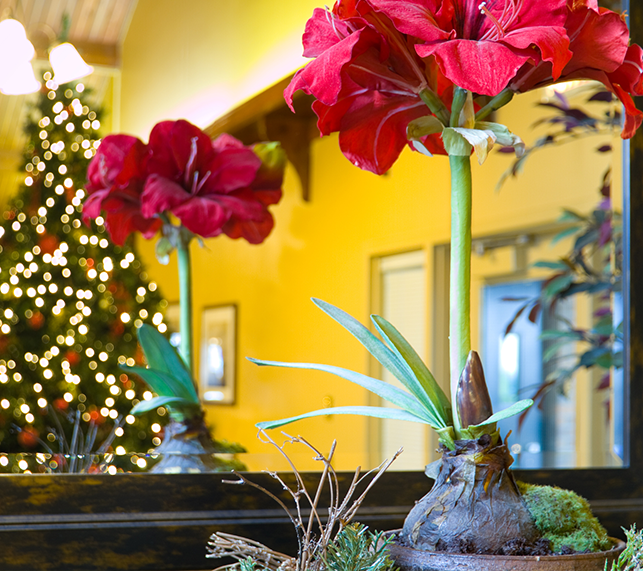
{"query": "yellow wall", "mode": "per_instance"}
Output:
(321, 248)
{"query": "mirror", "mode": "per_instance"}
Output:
(366, 243)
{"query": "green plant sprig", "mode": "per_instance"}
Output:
(167, 375)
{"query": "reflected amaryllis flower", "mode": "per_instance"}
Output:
(115, 182)
(212, 187)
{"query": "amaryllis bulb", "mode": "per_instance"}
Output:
(474, 403)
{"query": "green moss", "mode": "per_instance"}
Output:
(564, 518)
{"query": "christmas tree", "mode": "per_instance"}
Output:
(70, 300)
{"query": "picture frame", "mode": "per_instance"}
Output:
(218, 354)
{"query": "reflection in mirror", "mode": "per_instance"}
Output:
(546, 302)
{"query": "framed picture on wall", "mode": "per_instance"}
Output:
(218, 354)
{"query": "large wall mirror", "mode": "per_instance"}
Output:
(548, 305)
(393, 261)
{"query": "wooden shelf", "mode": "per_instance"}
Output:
(266, 117)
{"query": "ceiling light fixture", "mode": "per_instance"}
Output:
(16, 52)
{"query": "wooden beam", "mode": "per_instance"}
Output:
(267, 117)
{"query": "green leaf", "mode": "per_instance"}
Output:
(513, 410)
(557, 334)
(160, 355)
(163, 384)
(437, 399)
(163, 250)
(558, 284)
(174, 403)
(423, 126)
(372, 411)
(382, 352)
(551, 351)
(503, 136)
(563, 234)
(386, 391)
(458, 142)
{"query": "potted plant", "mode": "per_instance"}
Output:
(186, 186)
(428, 73)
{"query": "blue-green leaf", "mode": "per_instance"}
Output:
(384, 354)
(512, 410)
(428, 386)
(163, 384)
(160, 355)
(385, 390)
(375, 346)
(372, 411)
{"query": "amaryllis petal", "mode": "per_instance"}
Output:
(254, 231)
(485, 68)
(178, 149)
(202, 217)
(373, 132)
(233, 166)
(323, 76)
(629, 76)
(120, 225)
(206, 215)
(599, 39)
(161, 194)
(119, 159)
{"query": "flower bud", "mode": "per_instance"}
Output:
(474, 404)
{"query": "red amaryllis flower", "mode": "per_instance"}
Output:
(115, 182)
(367, 79)
(211, 187)
(599, 44)
(480, 45)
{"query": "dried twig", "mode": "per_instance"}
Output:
(313, 535)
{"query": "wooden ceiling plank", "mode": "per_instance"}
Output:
(120, 20)
(102, 21)
(86, 17)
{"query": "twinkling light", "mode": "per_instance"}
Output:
(115, 390)
(42, 403)
(68, 397)
(130, 394)
(4, 403)
(119, 431)
(109, 401)
(29, 417)
(147, 395)
(24, 408)
(120, 451)
(156, 427)
(130, 419)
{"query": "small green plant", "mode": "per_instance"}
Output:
(167, 375)
(357, 549)
(632, 558)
